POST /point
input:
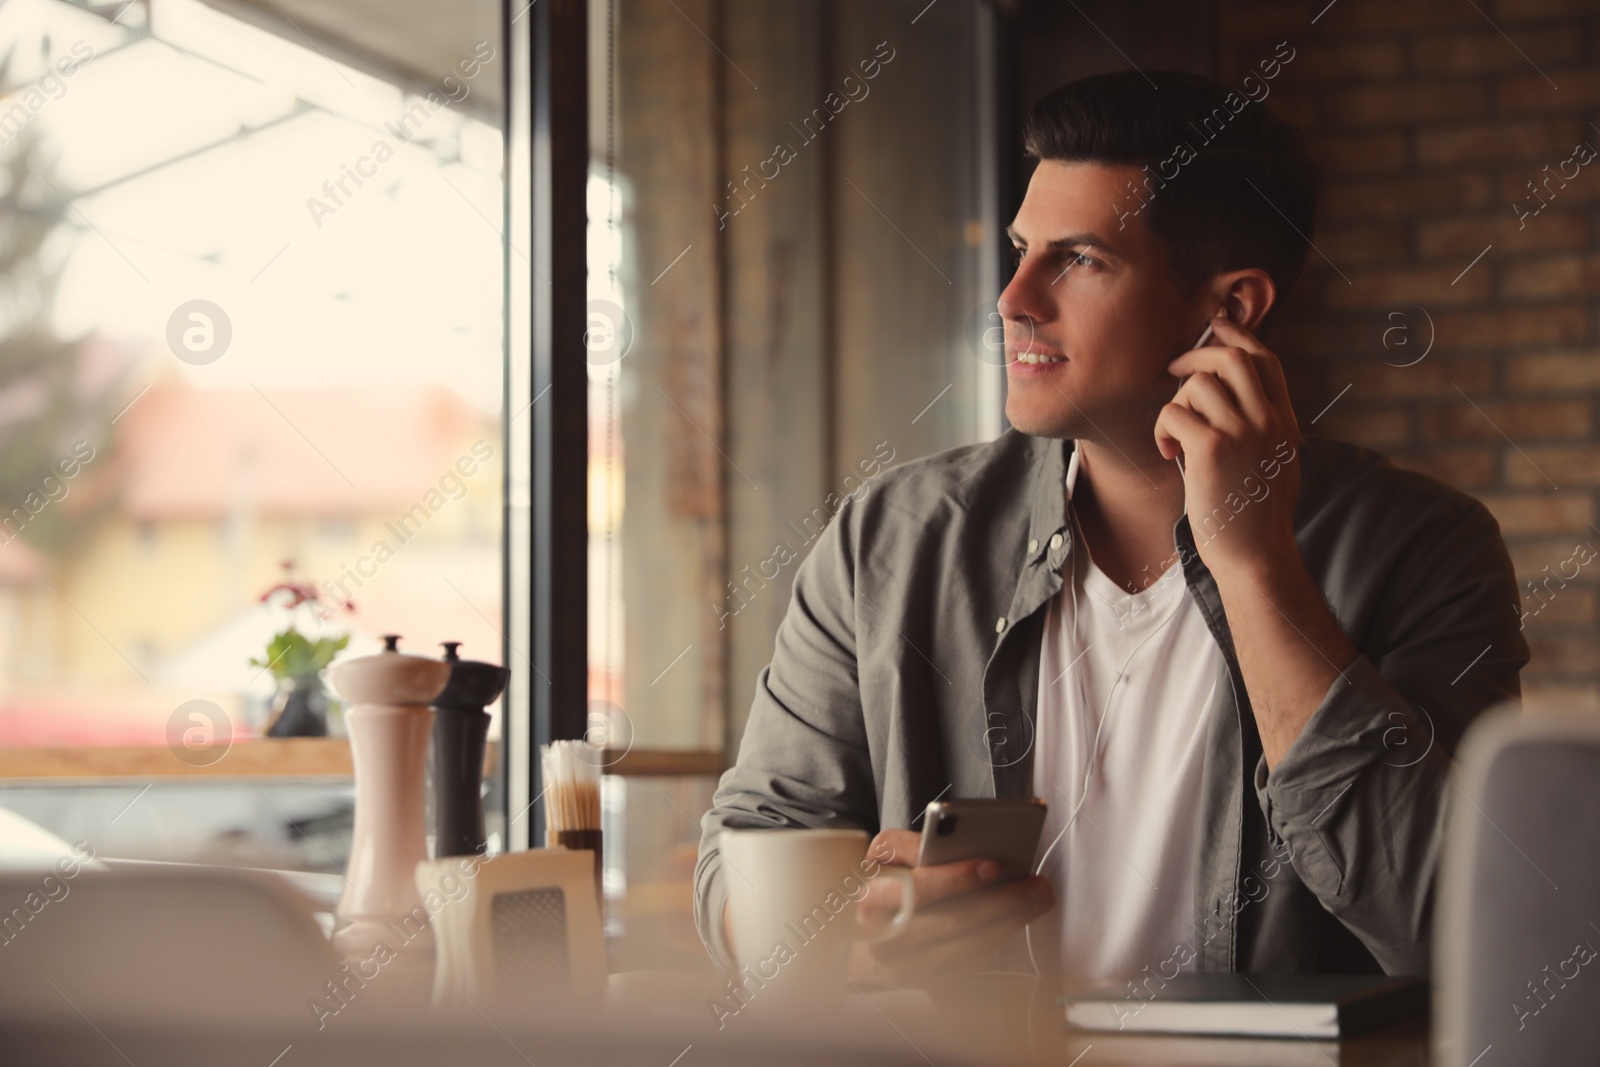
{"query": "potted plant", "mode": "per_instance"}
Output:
(296, 661)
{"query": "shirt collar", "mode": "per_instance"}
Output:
(1049, 495)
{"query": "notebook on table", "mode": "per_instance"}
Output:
(1312, 1006)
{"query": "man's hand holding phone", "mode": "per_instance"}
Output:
(1234, 425)
(965, 913)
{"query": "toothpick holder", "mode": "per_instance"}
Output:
(578, 840)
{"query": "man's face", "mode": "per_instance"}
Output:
(1099, 296)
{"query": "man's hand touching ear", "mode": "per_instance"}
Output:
(1232, 422)
(1241, 446)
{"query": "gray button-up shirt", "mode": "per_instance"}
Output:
(907, 668)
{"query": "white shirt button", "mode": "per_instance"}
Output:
(1055, 541)
(1033, 546)
(1000, 626)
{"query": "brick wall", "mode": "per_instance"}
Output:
(1431, 117)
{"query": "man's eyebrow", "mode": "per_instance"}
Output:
(1062, 243)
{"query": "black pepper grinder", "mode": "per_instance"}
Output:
(460, 731)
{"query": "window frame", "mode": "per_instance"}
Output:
(546, 427)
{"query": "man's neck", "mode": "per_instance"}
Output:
(1126, 507)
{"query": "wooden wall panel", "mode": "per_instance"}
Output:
(673, 553)
(778, 319)
(832, 239)
(909, 234)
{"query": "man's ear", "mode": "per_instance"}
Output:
(1246, 296)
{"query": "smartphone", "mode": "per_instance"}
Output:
(1204, 337)
(989, 828)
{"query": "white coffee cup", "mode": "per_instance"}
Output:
(790, 907)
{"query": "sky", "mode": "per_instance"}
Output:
(191, 155)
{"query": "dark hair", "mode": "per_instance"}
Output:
(1208, 214)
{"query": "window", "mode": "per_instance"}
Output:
(277, 269)
(252, 332)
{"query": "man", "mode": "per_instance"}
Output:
(1234, 663)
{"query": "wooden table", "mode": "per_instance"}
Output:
(1013, 1019)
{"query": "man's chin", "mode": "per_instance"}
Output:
(1043, 423)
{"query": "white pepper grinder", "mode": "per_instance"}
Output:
(389, 722)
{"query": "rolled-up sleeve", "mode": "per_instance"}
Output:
(803, 761)
(1361, 797)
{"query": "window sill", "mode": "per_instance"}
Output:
(288, 757)
(292, 757)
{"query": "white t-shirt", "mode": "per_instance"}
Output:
(1123, 871)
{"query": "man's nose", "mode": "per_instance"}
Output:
(1027, 299)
